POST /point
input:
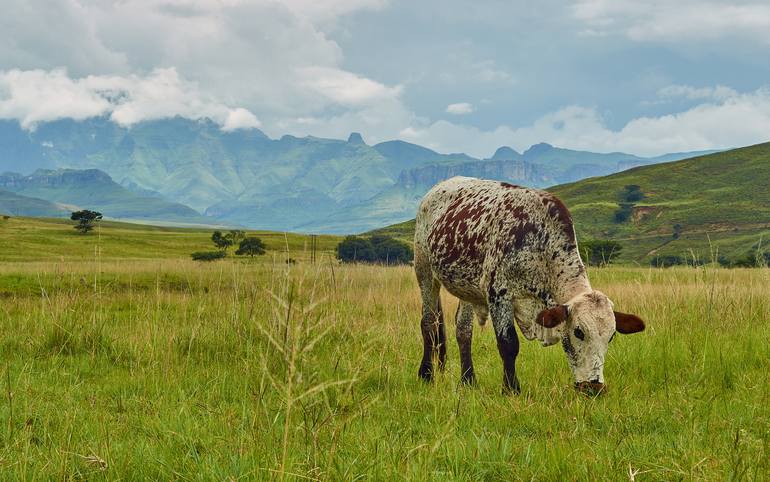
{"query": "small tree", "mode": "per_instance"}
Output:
(236, 236)
(599, 252)
(251, 246)
(354, 249)
(220, 241)
(86, 220)
(390, 250)
(624, 212)
(631, 193)
(677, 231)
(377, 249)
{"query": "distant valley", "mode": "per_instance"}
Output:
(55, 193)
(190, 171)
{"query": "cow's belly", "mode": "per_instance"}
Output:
(463, 283)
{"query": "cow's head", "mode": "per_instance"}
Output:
(590, 325)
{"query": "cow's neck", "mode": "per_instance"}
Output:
(571, 282)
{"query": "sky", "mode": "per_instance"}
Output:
(640, 76)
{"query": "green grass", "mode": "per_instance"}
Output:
(154, 367)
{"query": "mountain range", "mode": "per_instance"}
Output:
(57, 193)
(704, 207)
(157, 168)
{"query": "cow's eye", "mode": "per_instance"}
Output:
(579, 334)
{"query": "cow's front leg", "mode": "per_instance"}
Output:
(501, 311)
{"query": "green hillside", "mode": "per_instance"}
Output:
(17, 205)
(718, 203)
(720, 197)
(67, 189)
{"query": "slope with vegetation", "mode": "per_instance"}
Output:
(13, 204)
(53, 191)
(704, 208)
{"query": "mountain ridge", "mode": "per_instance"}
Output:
(66, 189)
(703, 207)
(247, 178)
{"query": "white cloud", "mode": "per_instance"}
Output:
(724, 122)
(37, 96)
(240, 118)
(459, 108)
(273, 57)
(344, 87)
(648, 20)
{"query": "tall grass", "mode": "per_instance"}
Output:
(234, 370)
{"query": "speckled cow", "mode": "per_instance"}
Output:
(509, 252)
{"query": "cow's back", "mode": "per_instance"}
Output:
(467, 228)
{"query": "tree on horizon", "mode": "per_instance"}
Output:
(86, 220)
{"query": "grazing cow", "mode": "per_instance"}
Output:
(509, 252)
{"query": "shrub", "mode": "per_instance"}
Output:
(623, 213)
(221, 241)
(376, 249)
(599, 252)
(251, 246)
(666, 261)
(631, 193)
(752, 260)
(354, 249)
(390, 250)
(208, 255)
(86, 220)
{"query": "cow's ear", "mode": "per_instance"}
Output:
(553, 316)
(627, 324)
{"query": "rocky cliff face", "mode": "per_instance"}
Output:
(53, 178)
(517, 171)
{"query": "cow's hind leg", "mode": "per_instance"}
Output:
(432, 326)
(464, 334)
(501, 312)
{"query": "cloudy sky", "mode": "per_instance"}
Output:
(641, 76)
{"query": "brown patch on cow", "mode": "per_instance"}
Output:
(450, 235)
(559, 212)
(509, 185)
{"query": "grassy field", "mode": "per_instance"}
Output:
(119, 366)
(39, 239)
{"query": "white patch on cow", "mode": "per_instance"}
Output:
(591, 313)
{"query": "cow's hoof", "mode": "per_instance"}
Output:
(425, 373)
(468, 379)
(511, 387)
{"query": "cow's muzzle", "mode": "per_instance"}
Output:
(592, 388)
